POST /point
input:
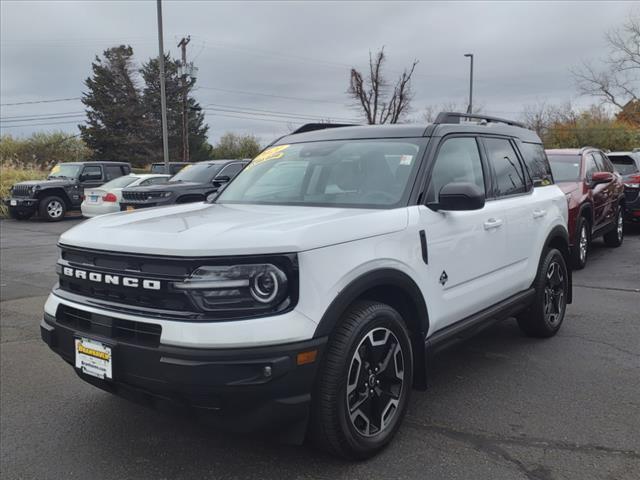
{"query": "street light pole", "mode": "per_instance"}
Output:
(470, 107)
(163, 98)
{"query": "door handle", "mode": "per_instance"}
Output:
(539, 213)
(492, 223)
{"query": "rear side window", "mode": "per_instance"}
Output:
(113, 171)
(509, 175)
(537, 163)
(624, 164)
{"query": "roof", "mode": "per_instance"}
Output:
(564, 151)
(631, 154)
(97, 162)
(409, 131)
(149, 175)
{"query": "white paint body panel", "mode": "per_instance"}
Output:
(336, 246)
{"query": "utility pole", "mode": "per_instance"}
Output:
(470, 107)
(185, 113)
(163, 98)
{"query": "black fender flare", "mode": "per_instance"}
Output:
(413, 301)
(57, 192)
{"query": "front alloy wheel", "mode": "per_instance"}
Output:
(364, 382)
(375, 382)
(554, 294)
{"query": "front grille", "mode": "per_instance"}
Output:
(21, 191)
(631, 195)
(161, 269)
(141, 196)
(139, 333)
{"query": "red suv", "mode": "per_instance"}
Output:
(595, 194)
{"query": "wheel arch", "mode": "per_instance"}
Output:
(55, 192)
(558, 238)
(396, 289)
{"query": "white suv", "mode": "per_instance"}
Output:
(314, 290)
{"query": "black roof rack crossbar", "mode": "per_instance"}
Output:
(310, 127)
(453, 117)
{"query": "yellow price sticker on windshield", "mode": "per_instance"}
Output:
(271, 154)
(186, 167)
(55, 169)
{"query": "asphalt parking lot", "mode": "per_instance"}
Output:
(501, 406)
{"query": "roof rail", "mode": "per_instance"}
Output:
(454, 117)
(310, 127)
(587, 147)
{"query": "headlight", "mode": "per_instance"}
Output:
(165, 194)
(632, 185)
(241, 289)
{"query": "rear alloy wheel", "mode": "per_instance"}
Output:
(364, 382)
(615, 237)
(52, 209)
(581, 248)
(545, 315)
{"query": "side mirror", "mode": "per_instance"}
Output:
(222, 179)
(601, 177)
(460, 196)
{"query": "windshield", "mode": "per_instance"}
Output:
(565, 168)
(346, 173)
(120, 182)
(64, 170)
(624, 164)
(199, 172)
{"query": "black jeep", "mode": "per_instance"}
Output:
(191, 184)
(62, 190)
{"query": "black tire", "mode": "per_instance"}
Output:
(580, 250)
(354, 435)
(19, 214)
(52, 209)
(545, 315)
(615, 237)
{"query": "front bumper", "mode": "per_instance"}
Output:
(241, 389)
(632, 204)
(21, 204)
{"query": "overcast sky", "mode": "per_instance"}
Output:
(293, 58)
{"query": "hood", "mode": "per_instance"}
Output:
(568, 187)
(169, 186)
(47, 183)
(202, 229)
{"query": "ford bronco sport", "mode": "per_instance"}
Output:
(314, 291)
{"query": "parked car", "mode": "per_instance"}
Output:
(595, 195)
(106, 199)
(321, 303)
(62, 190)
(191, 184)
(174, 167)
(627, 164)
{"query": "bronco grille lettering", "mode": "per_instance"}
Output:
(108, 279)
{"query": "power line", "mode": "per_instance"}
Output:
(39, 124)
(34, 116)
(41, 101)
(259, 94)
(255, 111)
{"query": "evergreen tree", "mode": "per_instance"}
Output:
(199, 149)
(114, 109)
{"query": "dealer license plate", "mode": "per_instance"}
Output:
(93, 358)
(130, 208)
(13, 203)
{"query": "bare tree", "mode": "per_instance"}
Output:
(617, 81)
(373, 96)
(538, 117)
